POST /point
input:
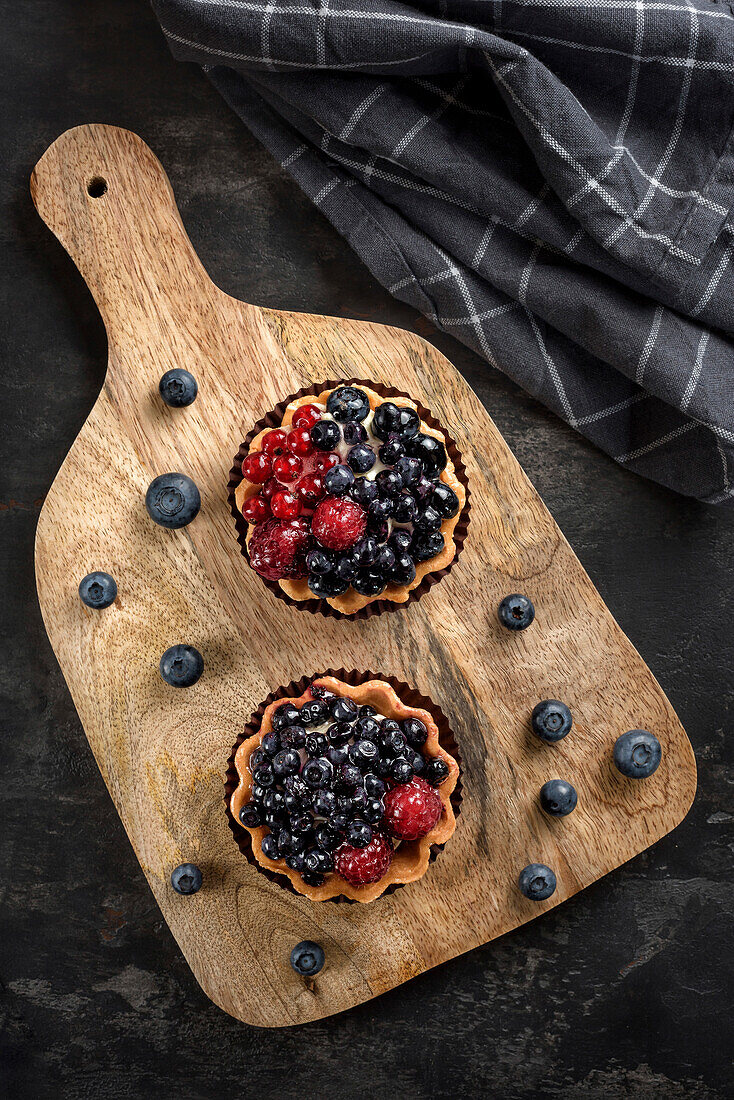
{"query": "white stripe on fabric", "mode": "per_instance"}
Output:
(631, 455)
(649, 344)
(696, 372)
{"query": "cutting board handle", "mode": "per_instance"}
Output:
(106, 197)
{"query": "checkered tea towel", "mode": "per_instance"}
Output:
(551, 181)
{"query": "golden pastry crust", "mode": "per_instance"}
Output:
(352, 601)
(410, 861)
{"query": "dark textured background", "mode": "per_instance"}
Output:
(625, 991)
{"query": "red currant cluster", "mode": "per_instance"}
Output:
(289, 469)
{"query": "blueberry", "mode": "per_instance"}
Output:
(316, 744)
(263, 775)
(382, 508)
(326, 435)
(297, 789)
(359, 833)
(389, 482)
(181, 665)
(358, 801)
(409, 468)
(365, 551)
(313, 713)
(294, 736)
(378, 528)
(415, 732)
(186, 879)
(388, 725)
(428, 520)
(385, 562)
(339, 821)
(258, 793)
(391, 452)
(172, 500)
(637, 754)
(287, 762)
(436, 770)
(301, 823)
(551, 720)
(295, 861)
(383, 767)
(361, 458)
(251, 815)
(402, 771)
(269, 847)
(307, 958)
(362, 754)
(327, 587)
(392, 742)
(406, 508)
(315, 859)
(338, 480)
(339, 734)
(327, 837)
(403, 571)
(344, 710)
(364, 491)
(366, 711)
(285, 715)
(445, 500)
(317, 773)
(373, 811)
(374, 787)
(537, 881)
(416, 760)
(391, 419)
(430, 451)
(312, 878)
(368, 582)
(423, 488)
(320, 692)
(516, 612)
(98, 590)
(558, 798)
(348, 776)
(319, 562)
(324, 803)
(271, 743)
(354, 433)
(258, 757)
(367, 727)
(274, 802)
(426, 545)
(400, 540)
(178, 388)
(348, 403)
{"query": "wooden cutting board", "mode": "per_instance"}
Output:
(163, 752)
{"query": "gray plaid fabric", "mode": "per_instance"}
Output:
(551, 181)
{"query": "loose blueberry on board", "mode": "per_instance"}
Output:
(516, 612)
(637, 754)
(181, 665)
(172, 500)
(551, 720)
(178, 388)
(98, 590)
(347, 404)
(537, 882)
(558, 798)
(186, 879)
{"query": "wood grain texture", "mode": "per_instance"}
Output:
(163, 752)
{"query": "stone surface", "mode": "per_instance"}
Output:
(625, 991)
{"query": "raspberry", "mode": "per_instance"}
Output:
(307, 415)
(256, 509)
(299, 441)
(257, 467)
(310, 490)
(287, 467)
(338, 523)
(285, 506)
(274, 442)
(411, 809)
(278, 548)
(360, 866)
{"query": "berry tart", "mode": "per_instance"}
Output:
(353, 499)
(344, 789)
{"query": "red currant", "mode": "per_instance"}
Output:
(287, 467)
(310, 490)
(299, 441)
(307, 415)
(272, 485)
(256, 509)
(274, 442)
(324, 462)
(257, 467)
(285, 506)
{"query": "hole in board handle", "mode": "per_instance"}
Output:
(97, 187)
